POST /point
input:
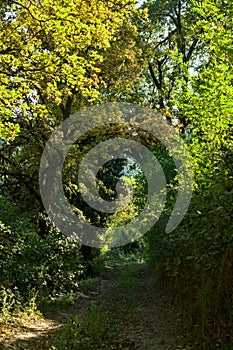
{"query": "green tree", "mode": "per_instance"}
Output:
(56, 58)
(208, 100)
(198, 256)
(173, 49)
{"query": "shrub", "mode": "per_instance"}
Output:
(50, 266)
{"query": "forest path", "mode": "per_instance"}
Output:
(150, 322)
(131, 294)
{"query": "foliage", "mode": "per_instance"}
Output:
(51, 52)
(208, 101)
(197, 257)
(13, 215)
(172, 49)
(50, 266)
(55, 59)
(196, 261)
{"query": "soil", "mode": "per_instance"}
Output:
(151, 323)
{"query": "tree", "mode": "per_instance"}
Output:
(198, 256)
(208, 101)
(55, 58)
(173, 48)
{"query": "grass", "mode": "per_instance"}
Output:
(100, 328)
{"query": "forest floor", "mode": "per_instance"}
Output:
(143, 315)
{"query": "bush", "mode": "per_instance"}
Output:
(50, 266)
(197, 261)
(15, 216)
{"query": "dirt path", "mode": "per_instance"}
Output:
(146, 319)
(154, 324)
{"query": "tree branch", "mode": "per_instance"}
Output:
(190, 51)
(26, 8)
(155, 80)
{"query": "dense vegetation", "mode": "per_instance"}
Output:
(173, 56)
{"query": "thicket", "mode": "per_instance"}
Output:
(196, 259)
(53, 62)
(37, 269)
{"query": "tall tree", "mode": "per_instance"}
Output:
(208, 99)
(172, 48)
(56, 57)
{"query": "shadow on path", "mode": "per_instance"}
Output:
(131, 293)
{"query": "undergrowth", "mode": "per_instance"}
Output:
(102, 327)
(195, 262)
